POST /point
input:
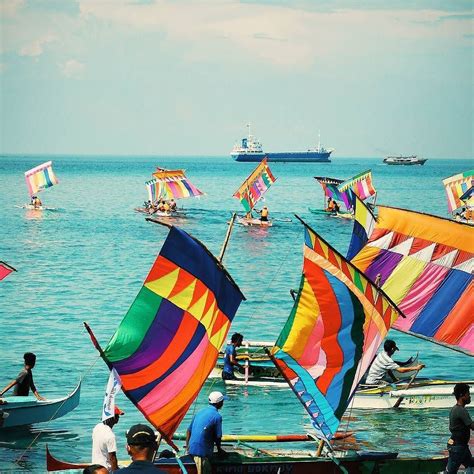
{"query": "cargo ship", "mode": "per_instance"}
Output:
(404, 160)
(251, 150)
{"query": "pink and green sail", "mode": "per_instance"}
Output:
(338, 321)
(169, 341)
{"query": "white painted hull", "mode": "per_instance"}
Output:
(253, 222)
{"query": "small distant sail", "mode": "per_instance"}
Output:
(169, 341)
(426, 266)
(41, 177)
(456, 187)
(169, 184)
(364, 222)
(361, 185)
(255, 186)
(5, 270)
(338, 321)
(113, 387)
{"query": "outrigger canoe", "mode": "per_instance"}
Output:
(24, 411)
(286, 461)
(253, 222)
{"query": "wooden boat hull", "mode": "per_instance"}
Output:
(27, 410)
(338, 215)
(272, 463)
(38, 208)
(253, 222)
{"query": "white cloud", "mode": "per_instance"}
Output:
(36, 47)
(72, 68)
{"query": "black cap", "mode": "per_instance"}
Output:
(389, 345)
(141, 435)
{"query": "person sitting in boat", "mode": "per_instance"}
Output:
(331, 203)
(230, 357)
(263, 214)
(141, 447)
(104, 444)
(205, 430)
(24, 380)
(381, 369)
(172, 205)
(36, 202)
(336, 208)
(460, 426)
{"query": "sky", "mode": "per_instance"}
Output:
(183, 77)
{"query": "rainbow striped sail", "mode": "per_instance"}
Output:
(426, 266)
(456, 187)
(255, 186)
(40, 177)
(361, 185)
(330, 189)
(169, 341)
(5, 270)
(337, 324)
(169, 184)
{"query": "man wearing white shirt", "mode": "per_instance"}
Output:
(104, 446)
(384, 363)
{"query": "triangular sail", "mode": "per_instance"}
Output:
(361, 185)
(41, 177)
(169, 184)
(255, 186)
(364, 222)
(456, 186)
(169, 341)
(330, 189)
(426, 266)
(337, 324)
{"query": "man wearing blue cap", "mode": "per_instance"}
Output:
(205, 430)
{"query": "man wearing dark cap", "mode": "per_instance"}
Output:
(460, 425)
(142, 447)
(205, 430)
(24, 380)
(384, 364)
(104, 445)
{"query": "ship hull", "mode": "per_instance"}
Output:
(289, 157)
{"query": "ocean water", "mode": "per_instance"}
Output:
(87, 260)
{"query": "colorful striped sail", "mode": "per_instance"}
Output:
(456, 186)
(337, 324)
(330, 189)
(169, 341)
(5, 270)
(40, 177)
(255, 186)
(426, 266)
(361, 185)
(364, 222)
(169, 184)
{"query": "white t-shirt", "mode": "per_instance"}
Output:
(103, 443)
(382, 363)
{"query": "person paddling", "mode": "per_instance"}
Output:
(383, 365)
(24, 380)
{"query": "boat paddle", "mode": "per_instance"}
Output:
(407, 386)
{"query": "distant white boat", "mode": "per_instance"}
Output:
(404, 160)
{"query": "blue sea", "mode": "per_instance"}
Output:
(87, 260)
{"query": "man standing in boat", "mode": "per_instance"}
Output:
(104, 445)
(382, 366)
(460, 424)
(205, 430)
(230, 357)
(24, 380)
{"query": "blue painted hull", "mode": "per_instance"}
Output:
(28, 410)
(289, 157)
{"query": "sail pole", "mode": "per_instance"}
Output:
(227, 237)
